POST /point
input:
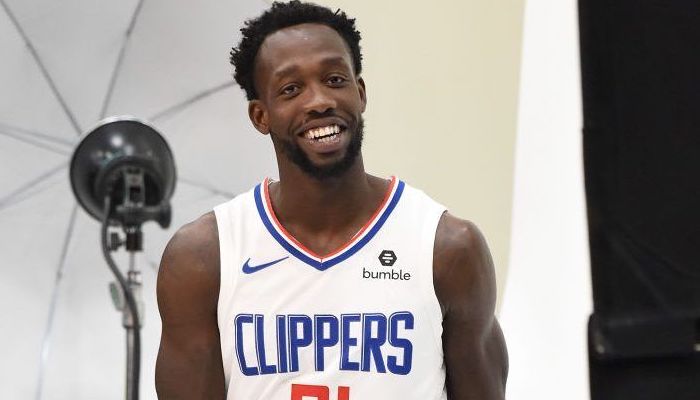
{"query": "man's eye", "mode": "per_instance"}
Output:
(336, 80)
(289, 89)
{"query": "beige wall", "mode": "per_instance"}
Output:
(442, 82)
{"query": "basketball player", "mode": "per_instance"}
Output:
(329, 284)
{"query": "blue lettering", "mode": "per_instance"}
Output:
(282, 343)
(238, 322)
(260, 346)
(296, 340)
(371, 345)
(347, 342)
(368, 342)
(396, 341)
(323, 341)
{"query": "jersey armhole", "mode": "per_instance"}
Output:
(433, 308)
(223, 224)
(228, 278)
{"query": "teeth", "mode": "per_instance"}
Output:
(322, 131)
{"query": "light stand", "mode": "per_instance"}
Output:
(126, 294)
(123, 174)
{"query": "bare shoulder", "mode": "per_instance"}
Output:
(191, 260)
(476, 358)
(189, 362)
(463, 268)
(194, 247)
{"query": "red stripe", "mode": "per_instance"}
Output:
(291, 238)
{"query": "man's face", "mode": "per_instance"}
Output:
(310, 100)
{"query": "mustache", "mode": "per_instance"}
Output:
(326, 114)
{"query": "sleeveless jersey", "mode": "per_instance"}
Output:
(362, 323)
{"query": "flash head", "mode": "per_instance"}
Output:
(129, 163)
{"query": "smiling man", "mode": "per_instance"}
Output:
(329, 284)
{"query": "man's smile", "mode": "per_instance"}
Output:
(324, 136)
(322, 132)
(326, 139)
(320, 127)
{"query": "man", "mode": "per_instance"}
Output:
(329, 283)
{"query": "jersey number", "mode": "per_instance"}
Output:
(303, 392)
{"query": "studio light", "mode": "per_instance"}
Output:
(129, 162)
(123, 174)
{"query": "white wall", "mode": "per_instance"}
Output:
(547, 297)
(442, 84)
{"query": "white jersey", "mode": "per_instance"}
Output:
(362, 323)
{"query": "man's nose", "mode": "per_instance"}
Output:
(320, 100)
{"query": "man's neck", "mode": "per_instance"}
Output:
(326, 213)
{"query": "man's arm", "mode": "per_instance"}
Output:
(189, 362)
(475, 353)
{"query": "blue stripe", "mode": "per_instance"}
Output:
(362, 242)
(280, 239)
(322, 266)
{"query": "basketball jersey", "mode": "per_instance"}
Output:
(362, 323)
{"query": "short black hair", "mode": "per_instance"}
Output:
(280, 16)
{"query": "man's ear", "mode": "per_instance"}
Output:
(258, 116)
(363, 92)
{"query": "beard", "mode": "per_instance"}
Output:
(297, 156)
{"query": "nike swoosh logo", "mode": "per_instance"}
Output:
(249, 269)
